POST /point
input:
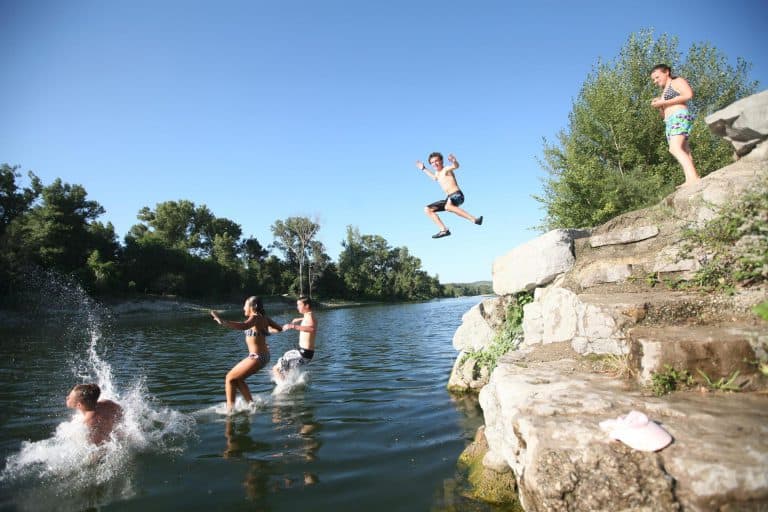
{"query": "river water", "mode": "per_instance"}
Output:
(372, 427)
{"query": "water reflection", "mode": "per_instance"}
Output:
(281, 466)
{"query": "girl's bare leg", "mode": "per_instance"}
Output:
(235, 380)
(678, 146)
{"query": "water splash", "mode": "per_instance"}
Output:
(294, 380)
(66, 470)
(240, 406)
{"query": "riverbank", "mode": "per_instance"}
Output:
(163, 306)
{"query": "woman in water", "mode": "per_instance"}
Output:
(673, 105)
(257, 326)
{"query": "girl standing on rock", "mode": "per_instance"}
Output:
(673, 105)
(257, 327)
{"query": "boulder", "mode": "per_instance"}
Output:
(535, 263)
(479, 324)
(744, 123)
(543, 419)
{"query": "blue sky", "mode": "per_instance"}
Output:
(268, 109)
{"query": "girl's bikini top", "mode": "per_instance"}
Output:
(253, 331)
(669, 93)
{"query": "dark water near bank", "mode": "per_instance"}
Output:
(374, 429)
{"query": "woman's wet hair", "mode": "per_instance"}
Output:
(255, 303)
(306, 301)
(662, 67)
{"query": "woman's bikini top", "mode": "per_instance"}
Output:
(669, 93)
(253, 331)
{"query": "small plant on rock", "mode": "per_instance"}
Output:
(508, 336)
(722, 384)
(736, 242)
(668, 381)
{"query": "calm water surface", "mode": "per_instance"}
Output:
(374, 428)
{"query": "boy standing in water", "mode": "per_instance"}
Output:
(454, 196)
(100, 416)
(307, 326)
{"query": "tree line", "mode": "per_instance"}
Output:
(180, 248)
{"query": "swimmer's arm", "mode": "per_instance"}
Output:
(274, 326)
(239, 326)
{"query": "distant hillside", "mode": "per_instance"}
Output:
(464, 289)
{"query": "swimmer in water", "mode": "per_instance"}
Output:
(100, 416)
(257, 327)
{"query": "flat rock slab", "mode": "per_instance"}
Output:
(718, 351)
(542, 418)
(624, 236)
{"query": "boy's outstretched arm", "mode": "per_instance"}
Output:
(454, 164)
(420, 165)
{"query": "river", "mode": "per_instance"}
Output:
(372, 428)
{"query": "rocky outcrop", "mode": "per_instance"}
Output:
(542, 417)
(604, 322)
(744, 123)
(476, 332)
(535, 263)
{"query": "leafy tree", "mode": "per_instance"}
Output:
(613, 156)
(57, 231)
(293, 237)
(14, 202)
(369, 267)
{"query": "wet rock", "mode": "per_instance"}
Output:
(488, 483)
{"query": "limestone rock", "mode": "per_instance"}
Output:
(475, 332)
(624, 236)
(544, 421)
(604, 272)
(535, 263)
(671, 259)
(718, 351)
(488, 484)
(467, 375)
(744, 123)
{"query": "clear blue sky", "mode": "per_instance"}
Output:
(268, 109)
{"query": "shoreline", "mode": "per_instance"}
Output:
(170, 307)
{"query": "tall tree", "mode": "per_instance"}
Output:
(15, 200)
(293, 237)
(613, 156)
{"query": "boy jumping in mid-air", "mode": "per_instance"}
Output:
(454, 197)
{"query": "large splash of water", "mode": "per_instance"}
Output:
(67, 464)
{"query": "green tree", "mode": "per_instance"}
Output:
(369, 267)
(613, 156)
(58, 231)
(13, 200)
(293, 237)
